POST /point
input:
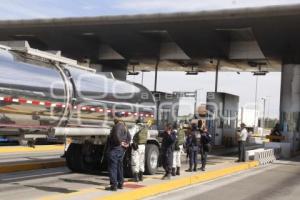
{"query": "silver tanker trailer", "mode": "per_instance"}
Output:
(42, 94)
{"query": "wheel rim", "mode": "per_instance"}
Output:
(153, 159)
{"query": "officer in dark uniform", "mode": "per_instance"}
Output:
(205, 146)
(118, 141)
(167, 149)
(192, 148)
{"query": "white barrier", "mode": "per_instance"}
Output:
(250, 154)
(265, 156)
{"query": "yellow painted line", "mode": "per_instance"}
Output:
(21, 149)
(166, 186)
(25, 166)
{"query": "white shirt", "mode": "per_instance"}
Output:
(243, 135)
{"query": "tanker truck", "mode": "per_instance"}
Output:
(44, 94)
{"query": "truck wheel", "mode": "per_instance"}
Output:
(73, 157)
(151, 159)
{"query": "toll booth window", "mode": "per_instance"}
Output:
(233, 119)
(226, 119)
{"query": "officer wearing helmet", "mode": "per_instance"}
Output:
(138, 150)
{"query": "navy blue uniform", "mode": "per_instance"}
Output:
(167, 149)
(116, 152)
(205, 148)
(192, 147)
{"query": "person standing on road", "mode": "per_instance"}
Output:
(242, 137)
(276, 132)
(138, 151)
(167, 149)
(192, 149)
(177, 150)
(205, 143)
(118, 141)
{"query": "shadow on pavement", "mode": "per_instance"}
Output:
(52, 189)
(83, 182)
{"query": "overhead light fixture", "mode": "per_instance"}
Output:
(133, 73)
(88, 34)
(260, 73)
(24, 35)
(193, 72)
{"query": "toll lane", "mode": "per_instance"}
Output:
(277, 181)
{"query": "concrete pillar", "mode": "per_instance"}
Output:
(118, 68)
(290, 105)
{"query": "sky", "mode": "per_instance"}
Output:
(242, 85)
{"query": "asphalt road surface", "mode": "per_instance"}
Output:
(278, 181)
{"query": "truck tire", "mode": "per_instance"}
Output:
(73, 157)
(151, 159)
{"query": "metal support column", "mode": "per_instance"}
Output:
(217, 76)
(155, 78)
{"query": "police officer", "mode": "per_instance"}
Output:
(192, 148)
(118, 142)
(177, 150)
(167, 149)
(138, 151)
(205, 144)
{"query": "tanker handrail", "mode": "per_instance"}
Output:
(24, 47)
(4, 47)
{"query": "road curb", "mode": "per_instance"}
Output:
(26, 166)
(166, 186)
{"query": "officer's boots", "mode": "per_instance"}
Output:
(173, 171)
(178, 171)
(195, 167)
(136, 177)
(141, 178)
(190, 169)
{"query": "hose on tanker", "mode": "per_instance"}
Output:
(67, 111)
(68, 94)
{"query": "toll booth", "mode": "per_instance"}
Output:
(167, 108)
(222, 117)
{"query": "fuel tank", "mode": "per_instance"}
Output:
(38, 95)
